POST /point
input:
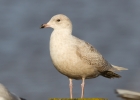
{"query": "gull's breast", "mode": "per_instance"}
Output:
(65, 60)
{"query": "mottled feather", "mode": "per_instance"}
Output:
(92, 57)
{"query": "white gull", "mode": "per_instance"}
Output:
(74, 57)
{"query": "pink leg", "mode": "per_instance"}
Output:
(82, 86)
(70, 85)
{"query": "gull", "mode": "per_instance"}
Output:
(127, 94)
(5, 94)
(74, 57)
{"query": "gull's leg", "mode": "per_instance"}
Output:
(70, 85)
(82, 86)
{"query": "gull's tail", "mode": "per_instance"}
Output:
(117, 68)
(110, 73)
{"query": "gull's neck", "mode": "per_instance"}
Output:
(60, 36)
(62, 32)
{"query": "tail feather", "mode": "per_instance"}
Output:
(117, 68)
(110, 74)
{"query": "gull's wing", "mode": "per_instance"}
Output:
(91, 56)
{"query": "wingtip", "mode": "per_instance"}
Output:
(22, 98)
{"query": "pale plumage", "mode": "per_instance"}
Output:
(74, 57)
(5, 94)
(127, 94)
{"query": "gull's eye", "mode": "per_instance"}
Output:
(58, 20)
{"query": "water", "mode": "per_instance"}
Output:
(113, 27)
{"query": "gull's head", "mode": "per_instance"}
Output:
(59, 21)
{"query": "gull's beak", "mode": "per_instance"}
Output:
(44, 26)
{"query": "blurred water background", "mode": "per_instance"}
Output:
(112, 26)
